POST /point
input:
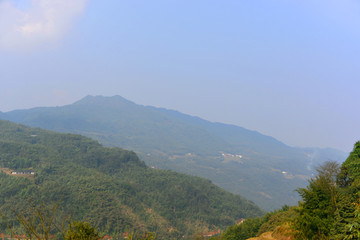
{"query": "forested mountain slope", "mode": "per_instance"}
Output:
(242, 161)
(109, 187)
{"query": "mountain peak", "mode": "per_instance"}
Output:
(102, 100)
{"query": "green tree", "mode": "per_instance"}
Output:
(350, 169)
(348, 213)
(352, 229)
(249, 228)
(37, 220)
(81, 231)
(316, 214)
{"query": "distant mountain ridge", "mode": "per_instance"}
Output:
(245, 162)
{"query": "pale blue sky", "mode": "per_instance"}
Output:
(289, 69)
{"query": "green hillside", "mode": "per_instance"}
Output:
(329, 209)
(244, 162)
(108, 187)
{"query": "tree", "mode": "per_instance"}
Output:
(38, 220)
(317, 210)
(350, 169)
(348, 213)
(249, 228)
(81, 231)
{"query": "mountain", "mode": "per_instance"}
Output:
(244, 162)
(109, 187)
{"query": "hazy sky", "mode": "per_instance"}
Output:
(289, 69)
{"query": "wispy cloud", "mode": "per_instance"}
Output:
(41, 22)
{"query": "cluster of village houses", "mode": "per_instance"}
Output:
(22, 172)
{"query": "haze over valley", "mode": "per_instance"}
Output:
(143, 120)
(245, 162)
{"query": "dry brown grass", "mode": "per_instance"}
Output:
(283, 232)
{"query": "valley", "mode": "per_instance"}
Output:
(242, 161)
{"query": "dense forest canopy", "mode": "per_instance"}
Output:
(110, 188)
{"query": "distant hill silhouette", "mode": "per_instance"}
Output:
(245, 162)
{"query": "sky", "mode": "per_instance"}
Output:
(288, 69)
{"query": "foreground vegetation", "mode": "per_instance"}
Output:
(330, 208)
(110, 188)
